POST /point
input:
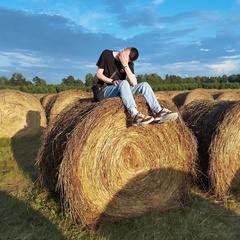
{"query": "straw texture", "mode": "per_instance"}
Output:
(62, 100)
(229, 96)
(198, 94)
(21, 114)
(216, 127)
(107, 170)
(46, 99)
(224, 160)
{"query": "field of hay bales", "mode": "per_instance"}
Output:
(85, 175)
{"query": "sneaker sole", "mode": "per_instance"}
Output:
(143, 123)
(167, 118)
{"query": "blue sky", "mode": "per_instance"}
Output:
(53, 39)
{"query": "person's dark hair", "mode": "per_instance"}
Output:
(133, 54)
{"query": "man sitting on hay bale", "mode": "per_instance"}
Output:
(113, 68)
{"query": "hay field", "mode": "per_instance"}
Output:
(29, 212)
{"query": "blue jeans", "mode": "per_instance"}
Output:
(125, 91)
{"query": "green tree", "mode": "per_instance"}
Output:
(224, 79)
(189, 80)
(39, 82)
(3, 81)
(90, 80)
(80, 83)
(234, 78)
(69, 81)
(198, 79)
(153, 79)
(17, 79)
(173, 79)
(141, 78)
(213, 80)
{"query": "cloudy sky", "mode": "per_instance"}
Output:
(53, 39)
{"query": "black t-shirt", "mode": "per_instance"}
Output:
(109, 64)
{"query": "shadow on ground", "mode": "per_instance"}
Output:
(20, 221)
(202, 220)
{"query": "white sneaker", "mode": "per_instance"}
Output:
(165, 115)
(140, 120)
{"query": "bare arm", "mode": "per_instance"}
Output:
(102, 77)
(131, 76)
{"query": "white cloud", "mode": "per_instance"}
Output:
(232, 57)
(158, 2)
(204, 49)
(225, 67)
(231, 50)
(23, 60)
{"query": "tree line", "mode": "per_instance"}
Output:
(170, 83)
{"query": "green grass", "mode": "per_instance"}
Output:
(27, 212)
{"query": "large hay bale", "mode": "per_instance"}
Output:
(198, 94)
(179, 98)
(54, 142)
(224, 151)
(229, 96)
(216, 93)
(63, 99)
(167, 96)
(21, 114)
(49, 105)
(210, 123)
(46, 99)
(107, 170)
(162, 95)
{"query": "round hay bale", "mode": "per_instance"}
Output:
(179, 98)
(163, 96)
(205, 119)
(229, 96)
(21, 114)
(55, 137)
(46, 99)
(49, 106)
(216, 94)
(63, 99)
(198, 94)
(224, 152)
(107, 170)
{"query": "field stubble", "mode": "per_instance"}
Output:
(29, 213)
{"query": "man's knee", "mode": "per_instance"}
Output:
(124, 83)
(145, 84)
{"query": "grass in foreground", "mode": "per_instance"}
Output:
(27, 212)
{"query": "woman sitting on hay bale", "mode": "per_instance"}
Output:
(113, 68)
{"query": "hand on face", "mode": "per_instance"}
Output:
(123, 57)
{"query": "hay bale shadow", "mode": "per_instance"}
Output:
(155, 190)
(25, 146)
(234, 186)
(21, 221)
(175, 224)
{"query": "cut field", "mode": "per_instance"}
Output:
(28, 212)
